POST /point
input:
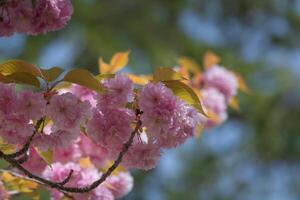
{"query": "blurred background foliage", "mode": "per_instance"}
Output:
(255, 154)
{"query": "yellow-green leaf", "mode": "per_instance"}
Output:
(103, 66)
(84, 78)
(189, 64)
(13, 66)
(5, 147)
(85, 162)
(52, 74)
(26, 186)
(210, 59)
(242, 83)
(103, 76)
(166, 74)
(3, 79)
(186, 93)
(199, 130)
(47, 156)
(24, 78)
(118, 61)
(139, 80)
(234, 104)
(7, 177)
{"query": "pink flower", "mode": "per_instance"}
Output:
(15, 16)
(142, 156)
(222, 79)
(120, 184)
(15, 126)
(102, 193)
(65, 154)
(58, 172)
(98, 155)
(15, 129)
(84, 94)
(7, 26)
(67, 112)
(183, 126)
(81, 177)
(8, 99)
(55, 139)
(169, 121)
(119, 91)
(214, 101)
(34, 163)
(33, 105)
(22, 11)
(158, 102)
(110, 128)
(50, 15)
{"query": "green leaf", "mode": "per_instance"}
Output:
(24, 78)
(13, 66)
(47, 156)
(3, 79)
(186, 93)
(52, 74)
(5, 147)
(102, 76)
(166, 74)
(84, 78)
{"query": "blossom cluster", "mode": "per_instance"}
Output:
(114, 187)
(33, 17)
(79, 124)
(218, 86)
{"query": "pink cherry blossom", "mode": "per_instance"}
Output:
(102, 193)
(84, 94)
(15, 16)
(110, 128)
(214, 101)
(65, 154)
(7, 25)
(97, 154)
(15, 129)
(67, 112)
(22, 13)
(15, 126)
(58, 172)
(120, 184)
(8, 99)
(183, 126)
(50, 15)
(21, 16)
(55, 139)
(222, 79)
(81, 177)
(33, 105)
(35, 163)
(142, 156)
(168, 120)
(119, 91)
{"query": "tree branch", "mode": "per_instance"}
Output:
(27, 144)
(67, 178)
(95, 184)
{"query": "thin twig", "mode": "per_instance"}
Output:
(23, 159)
(67, 178)
(95, 184)
(27, 144)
